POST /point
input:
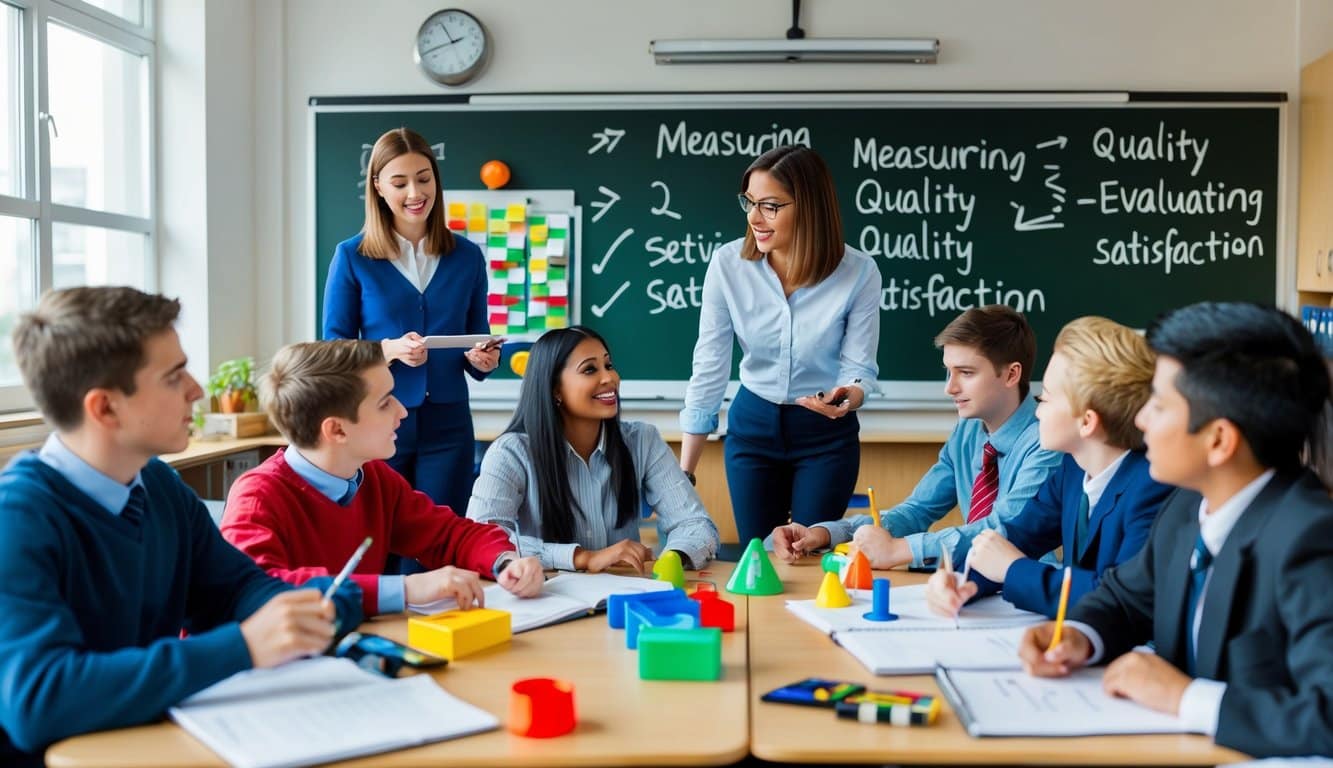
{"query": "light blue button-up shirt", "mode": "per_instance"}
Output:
(341, 490)
(102, 489)
(822, 336)
(1024, 465)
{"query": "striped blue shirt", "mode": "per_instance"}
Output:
(822, 336)
(506, 491)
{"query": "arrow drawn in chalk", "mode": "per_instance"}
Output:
(1032, 225)
(603, 206)
(607, 137)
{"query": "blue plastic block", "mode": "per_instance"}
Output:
(682, 614)
(615, 604)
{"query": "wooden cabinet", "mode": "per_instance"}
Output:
(1314, 238)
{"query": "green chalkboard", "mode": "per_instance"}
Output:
(1059, 210)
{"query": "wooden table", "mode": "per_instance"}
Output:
(784, 649)
(622, 719)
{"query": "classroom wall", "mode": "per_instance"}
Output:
(303, 48)
(1316, 25)
(1021, 44)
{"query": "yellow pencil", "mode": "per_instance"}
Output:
(1060, 612)
(874, 508)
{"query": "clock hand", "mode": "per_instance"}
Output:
(445, 30)
(429, 51)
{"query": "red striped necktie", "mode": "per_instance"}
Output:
(986, 486)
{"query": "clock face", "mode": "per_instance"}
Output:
(452, 46)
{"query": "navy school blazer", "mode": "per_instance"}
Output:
(367, 298)
(1267, 624)
(1117, 528)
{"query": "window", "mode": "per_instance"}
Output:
(76, 147)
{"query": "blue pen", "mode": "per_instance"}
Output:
(347, 569)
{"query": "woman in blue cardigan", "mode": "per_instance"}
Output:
(404, 277)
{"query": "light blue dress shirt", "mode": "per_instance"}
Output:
(1024, 465)
(341, 491)
(506, 494)
(100, 488)
(822, 336)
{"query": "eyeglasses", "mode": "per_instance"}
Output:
(768, 209)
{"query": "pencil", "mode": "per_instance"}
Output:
(347, 569)
(874, 508)
(1060, 612)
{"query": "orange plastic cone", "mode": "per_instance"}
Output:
(858, 573)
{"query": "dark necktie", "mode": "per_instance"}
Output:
(133, 511)
(1080, 530)
(986, 486)
(1200, 562)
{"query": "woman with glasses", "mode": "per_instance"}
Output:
(805, 309)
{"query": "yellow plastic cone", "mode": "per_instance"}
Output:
(831, 594)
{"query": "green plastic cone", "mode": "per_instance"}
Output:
(754, 574)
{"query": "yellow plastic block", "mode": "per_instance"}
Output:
(454, 634)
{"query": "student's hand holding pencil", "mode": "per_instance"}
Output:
(431, 586)
(1041, 660)
(290, 625)
(945, 595)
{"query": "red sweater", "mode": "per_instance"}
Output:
(297, 533)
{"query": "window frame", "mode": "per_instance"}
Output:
(33, 201)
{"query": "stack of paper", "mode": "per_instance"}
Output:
(1014, 704)
(321, 710)
(985, 634)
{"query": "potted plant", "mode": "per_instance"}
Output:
(233, 385)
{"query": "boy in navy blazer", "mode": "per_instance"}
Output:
(1234, 584)
(1099, 504)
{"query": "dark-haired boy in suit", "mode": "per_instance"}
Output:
(1235, 583)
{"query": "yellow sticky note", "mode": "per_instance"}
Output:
(516, 212)
(476, 211)
(538, 265)
(499, 227)
(458, 210)
(476, 224)
(538, 233)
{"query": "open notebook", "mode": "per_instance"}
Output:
(564, 596)
(1009, 703)
(320, 710)
(986, 635)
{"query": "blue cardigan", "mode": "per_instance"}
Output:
(367, 298)
(1117, 529)
(92, 606)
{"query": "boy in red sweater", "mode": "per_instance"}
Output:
(305, 510)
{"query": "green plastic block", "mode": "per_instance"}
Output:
(680, 654)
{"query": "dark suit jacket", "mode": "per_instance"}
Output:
(1267, 623)
(1117, 528)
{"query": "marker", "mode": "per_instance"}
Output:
(1060, 612)
(347, 569)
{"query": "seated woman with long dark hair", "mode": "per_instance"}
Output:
(568, 474)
